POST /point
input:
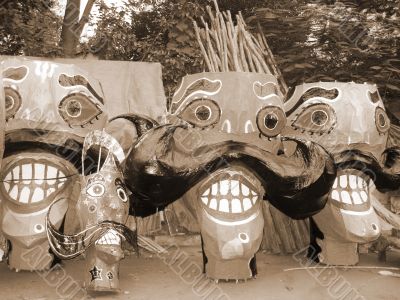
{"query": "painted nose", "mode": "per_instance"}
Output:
(246, 126)
(359, 130)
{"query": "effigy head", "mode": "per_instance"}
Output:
(50, 107)
(102, 210)
(350, 122)
(222, 146)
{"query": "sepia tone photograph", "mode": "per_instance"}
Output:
(203, 149)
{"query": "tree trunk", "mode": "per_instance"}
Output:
(72, 27)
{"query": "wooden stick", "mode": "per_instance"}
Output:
(203, 50)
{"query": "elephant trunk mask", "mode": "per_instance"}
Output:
(103, 210)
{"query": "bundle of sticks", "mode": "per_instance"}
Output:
(228, 47)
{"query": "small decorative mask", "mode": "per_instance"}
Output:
(102, 209)
(349, 120)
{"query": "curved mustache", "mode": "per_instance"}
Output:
(70, 246)
(160, 171)
(383, 175)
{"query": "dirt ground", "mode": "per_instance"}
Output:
(160, 277)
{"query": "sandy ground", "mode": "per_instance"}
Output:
(153, 277)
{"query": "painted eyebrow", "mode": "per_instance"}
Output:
(201, 85)
(329, 94)
(16, 73)
(67, 81)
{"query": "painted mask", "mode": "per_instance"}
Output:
(50, 107)
(222, 147)
(102, 209)
(349, 120)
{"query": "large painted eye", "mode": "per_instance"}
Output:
(271, 120)
(122, 194)
(13, 102)
(78, 110)
(316, 118)
(201, 113)
(381, 120)
(96, 190)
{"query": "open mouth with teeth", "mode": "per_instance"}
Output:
(33, 180)
(230, 194)
(111, 237)
(350, 191)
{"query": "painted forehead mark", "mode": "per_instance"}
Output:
(68, 81)
(15, 73)
(203, 86)
(315, 92)
(264, 91)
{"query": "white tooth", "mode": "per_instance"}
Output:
(49, 191)
(6, 186)
(51, 172)
(204, 200)
(214, 189)
(364, 196)
(254, 193)
(346, 197)
(224, 187)
(26, 173)
(361, 182)
(8, 177)
(236, 206)
(213, 204)
(24, 197)
(245, 190)
(356, 198)
(235, 188)
(38, 195)
(335, 195)
(60, 174)
(16, 173)
(335, 183)
(343, 181)
(60, 185)
(246, 204)
(39, 173)
(353, 181)
(224, 205)
(255, 199)
(207, 192)
(14, 192)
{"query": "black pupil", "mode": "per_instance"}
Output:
(319, 117)
(203, 113)
(121, 194)
(74, 108)
(382, 121)
(270, 121)
(9, 102)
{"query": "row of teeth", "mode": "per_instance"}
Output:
(230, 206)
(351, 181)
(358, 189)
(36, 172)
(234, 188)
(46, 179)
(345, 197)
(110, 238)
